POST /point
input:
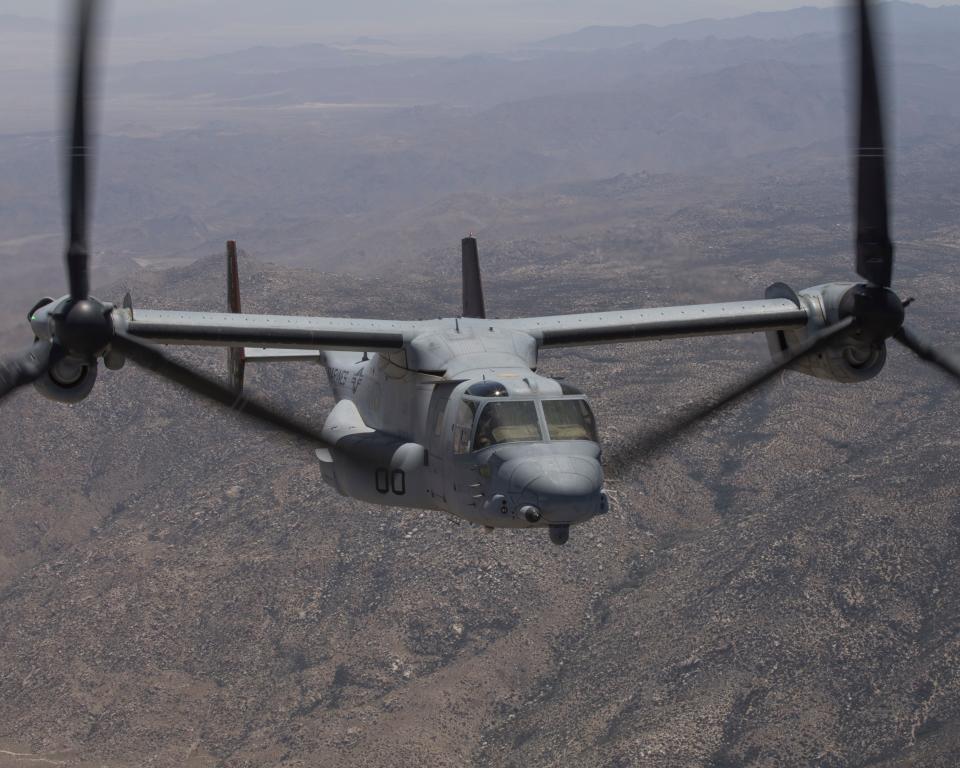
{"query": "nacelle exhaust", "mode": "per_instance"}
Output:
(853, 357)
(68, 379)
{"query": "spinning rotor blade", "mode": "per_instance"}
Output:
(646, 445)
(25, 368)
(925, 352)
(78, 157)
(149, 357)
(874, 249)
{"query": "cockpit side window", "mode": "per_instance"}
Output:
(507, 422)
(570, 420)
(463, 425)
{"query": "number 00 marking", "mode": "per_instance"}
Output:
(383, 480)
(398, 481)
(387, 481)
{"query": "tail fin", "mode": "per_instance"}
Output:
(472, 284)
(236, 358)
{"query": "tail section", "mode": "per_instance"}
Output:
(236, 357)
(344, 369)
(472, 284)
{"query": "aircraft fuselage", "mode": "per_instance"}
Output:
(478, 434)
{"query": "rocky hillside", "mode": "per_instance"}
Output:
(780, 588)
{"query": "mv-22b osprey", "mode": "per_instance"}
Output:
(451, 414)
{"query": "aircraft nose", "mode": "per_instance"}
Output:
(566, 489)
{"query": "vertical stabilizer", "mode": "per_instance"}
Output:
(236, 359)
(472, 284)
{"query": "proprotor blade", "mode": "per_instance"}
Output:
(643, 446)
(874, 249)
(25, 368)
(151, 358)
(78, 270)
(925, 352)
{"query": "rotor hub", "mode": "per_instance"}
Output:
(878, 311)
(84, 328)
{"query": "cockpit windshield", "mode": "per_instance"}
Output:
(570, 420)
(507, 422)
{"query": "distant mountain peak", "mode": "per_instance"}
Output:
(770, 25)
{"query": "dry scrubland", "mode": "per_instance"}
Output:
(780, 588)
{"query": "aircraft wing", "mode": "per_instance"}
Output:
(662, 323)
(277, 332)
(230, 329)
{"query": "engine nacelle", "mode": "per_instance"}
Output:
(67, 380)
(848, 359)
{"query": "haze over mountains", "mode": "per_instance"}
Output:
(472, 24)
(909, 19)
(318, 154)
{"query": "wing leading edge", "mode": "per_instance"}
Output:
(662, 323)
(218, 329)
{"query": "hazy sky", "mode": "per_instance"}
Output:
(407, 16)
(161, 28)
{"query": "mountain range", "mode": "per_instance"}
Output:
(909, 20)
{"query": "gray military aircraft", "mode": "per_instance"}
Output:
(451, 414)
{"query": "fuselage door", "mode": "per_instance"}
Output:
(437, 434)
